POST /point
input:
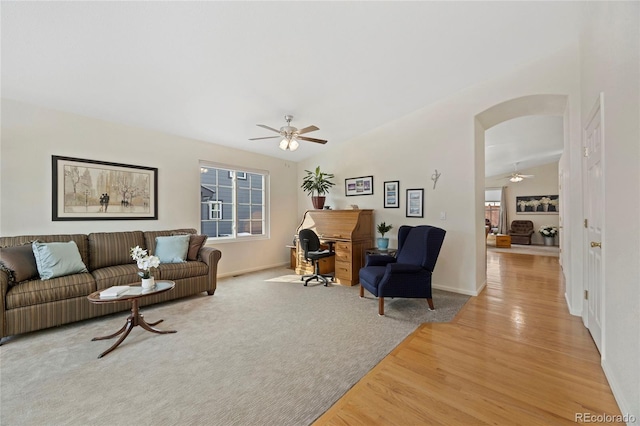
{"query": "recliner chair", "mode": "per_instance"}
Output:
(311, 245)
(409, 273)
(521, 232)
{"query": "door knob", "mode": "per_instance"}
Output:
(594, 244)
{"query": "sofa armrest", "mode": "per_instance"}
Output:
(211, 256)
(4, 288)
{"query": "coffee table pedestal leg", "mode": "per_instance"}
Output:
(135, 318)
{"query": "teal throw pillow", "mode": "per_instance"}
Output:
(172, 249)
(57, 259)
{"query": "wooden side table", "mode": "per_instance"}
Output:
(293, 255)
(376, 250)
(503, 241)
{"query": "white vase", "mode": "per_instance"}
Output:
(148, 282)
(545, 207)
(549, 241)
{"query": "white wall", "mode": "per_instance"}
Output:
(545, 182)
(30, 135)
(610, 64)
(441, 136)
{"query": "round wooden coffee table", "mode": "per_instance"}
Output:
(135, 317)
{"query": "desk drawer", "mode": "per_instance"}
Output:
(343, 270)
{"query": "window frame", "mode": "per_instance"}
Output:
(237, 173)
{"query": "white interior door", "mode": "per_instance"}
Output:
(594, 202)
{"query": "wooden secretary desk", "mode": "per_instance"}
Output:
(352, 231)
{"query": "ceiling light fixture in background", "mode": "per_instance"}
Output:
(288, 143)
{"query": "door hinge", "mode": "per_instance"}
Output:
(586, 223)
(585, 151)
(586, 295)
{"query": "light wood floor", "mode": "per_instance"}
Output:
(513, 356)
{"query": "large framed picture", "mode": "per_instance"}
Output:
(358, 186)
(538, 204)
(98, 190)
(392, 194)
(415, 202)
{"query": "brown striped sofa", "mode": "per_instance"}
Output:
(36, 304)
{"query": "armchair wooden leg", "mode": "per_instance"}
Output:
(361, 291)
(381, 306)
(430, 302)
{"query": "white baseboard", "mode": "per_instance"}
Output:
(623, 404)
(255, 269)
(459, 290)
(572, 311)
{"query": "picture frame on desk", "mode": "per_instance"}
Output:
(358, 186)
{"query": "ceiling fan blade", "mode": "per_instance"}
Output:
(304, 138)
(526, 176)
(268, 128)
(266, 137)
(307, 130)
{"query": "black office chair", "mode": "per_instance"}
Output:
(310, 243)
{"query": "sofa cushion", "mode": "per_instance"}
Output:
(177, 271)
(172, 249)
(35, 292)
(112, 248)
(195, 244)
(20, 261)
(57, 259)
(150, 236)
(80, 240)
(116, 275)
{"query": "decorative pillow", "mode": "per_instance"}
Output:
(195, 244)
(20, 262)
(172, 249)
(57, 259)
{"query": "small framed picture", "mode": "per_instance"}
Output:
(415, 202)
(391, 191)
(358, 186)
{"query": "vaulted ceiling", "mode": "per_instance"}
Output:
(213, 70)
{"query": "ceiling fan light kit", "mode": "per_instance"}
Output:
(290, 135)
(518, 177)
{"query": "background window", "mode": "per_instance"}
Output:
(233, 202)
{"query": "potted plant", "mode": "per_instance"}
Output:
(549, 233)
(383, 228)
(317, 183)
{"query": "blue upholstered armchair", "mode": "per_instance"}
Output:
(409, 273)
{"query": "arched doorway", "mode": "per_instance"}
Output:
(531, 105)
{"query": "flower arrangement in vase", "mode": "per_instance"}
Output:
(548, 232)
(145, 263)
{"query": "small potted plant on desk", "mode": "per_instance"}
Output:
(383, 243)
(317, 183)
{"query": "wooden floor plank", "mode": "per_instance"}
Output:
(513, 355)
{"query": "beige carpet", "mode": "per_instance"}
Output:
(256, 353)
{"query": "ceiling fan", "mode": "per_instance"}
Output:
(518, 177)
(290, 135)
